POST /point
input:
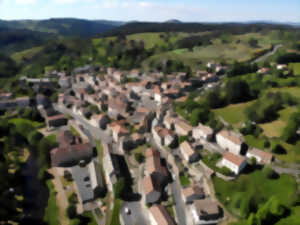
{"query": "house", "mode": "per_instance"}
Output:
(260, 156)
(154, 167)
(163, 136)
(281, 67)
(157, 94)
(234, 162)
(211, 65)
(263, 70)
(188, 153)
(115, 167)
(231, 141)
(56, 120)
(152, 190)
(192, 193)
(202, 132)
(205, 210)
(169, 122)
(89, 182)
(14, 103)
(118, 76)
(100, 121)
(68, 156)
(6, 96)
(119, 131)
(182, 128)
(160, 216)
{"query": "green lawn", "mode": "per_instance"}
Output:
(28, 54)
(234, 114)
(294, 91)
(296, 68)
(52, 210)
(275, 128)
(256, 187)
(115, 220)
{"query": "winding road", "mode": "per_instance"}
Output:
(268, 54)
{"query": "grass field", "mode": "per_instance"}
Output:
(294, 91)
(255, 186)
(28, 54)
(296, 68)
(275, 128)
(52, 211)
(234, 114)
(115, 220)
(236, 49)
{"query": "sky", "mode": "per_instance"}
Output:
(154, 10)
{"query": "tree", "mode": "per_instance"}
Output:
(237, 91)
(34, 138)
(139, 157)
(71, 211)
(278, 149)
(253, 42)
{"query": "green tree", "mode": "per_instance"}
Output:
(34, 138)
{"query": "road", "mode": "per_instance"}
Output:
(175, 186)
(93, 133)
(281, 170)
(136, 217)
(97, 133)
(268, 54)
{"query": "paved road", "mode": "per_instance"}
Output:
(268, 54)
(281, 170)
(97, 133)
(175, 186)
(136, 217)
(179, 204)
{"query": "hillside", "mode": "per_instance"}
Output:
(144, 27)
(13, 40)
(66, 27)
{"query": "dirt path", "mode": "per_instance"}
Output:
(61, 199)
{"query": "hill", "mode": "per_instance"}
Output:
(66, 27)
(145, 27)
(13, 40)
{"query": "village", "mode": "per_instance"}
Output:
(120, 139)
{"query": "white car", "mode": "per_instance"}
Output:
(127, 211)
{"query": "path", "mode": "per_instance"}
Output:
(268, 54)
(61, 198)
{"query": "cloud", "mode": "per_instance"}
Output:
(73, 1)
(25, 2)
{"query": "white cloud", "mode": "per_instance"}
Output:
(25, 2)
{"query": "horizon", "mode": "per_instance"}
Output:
(136, 10)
